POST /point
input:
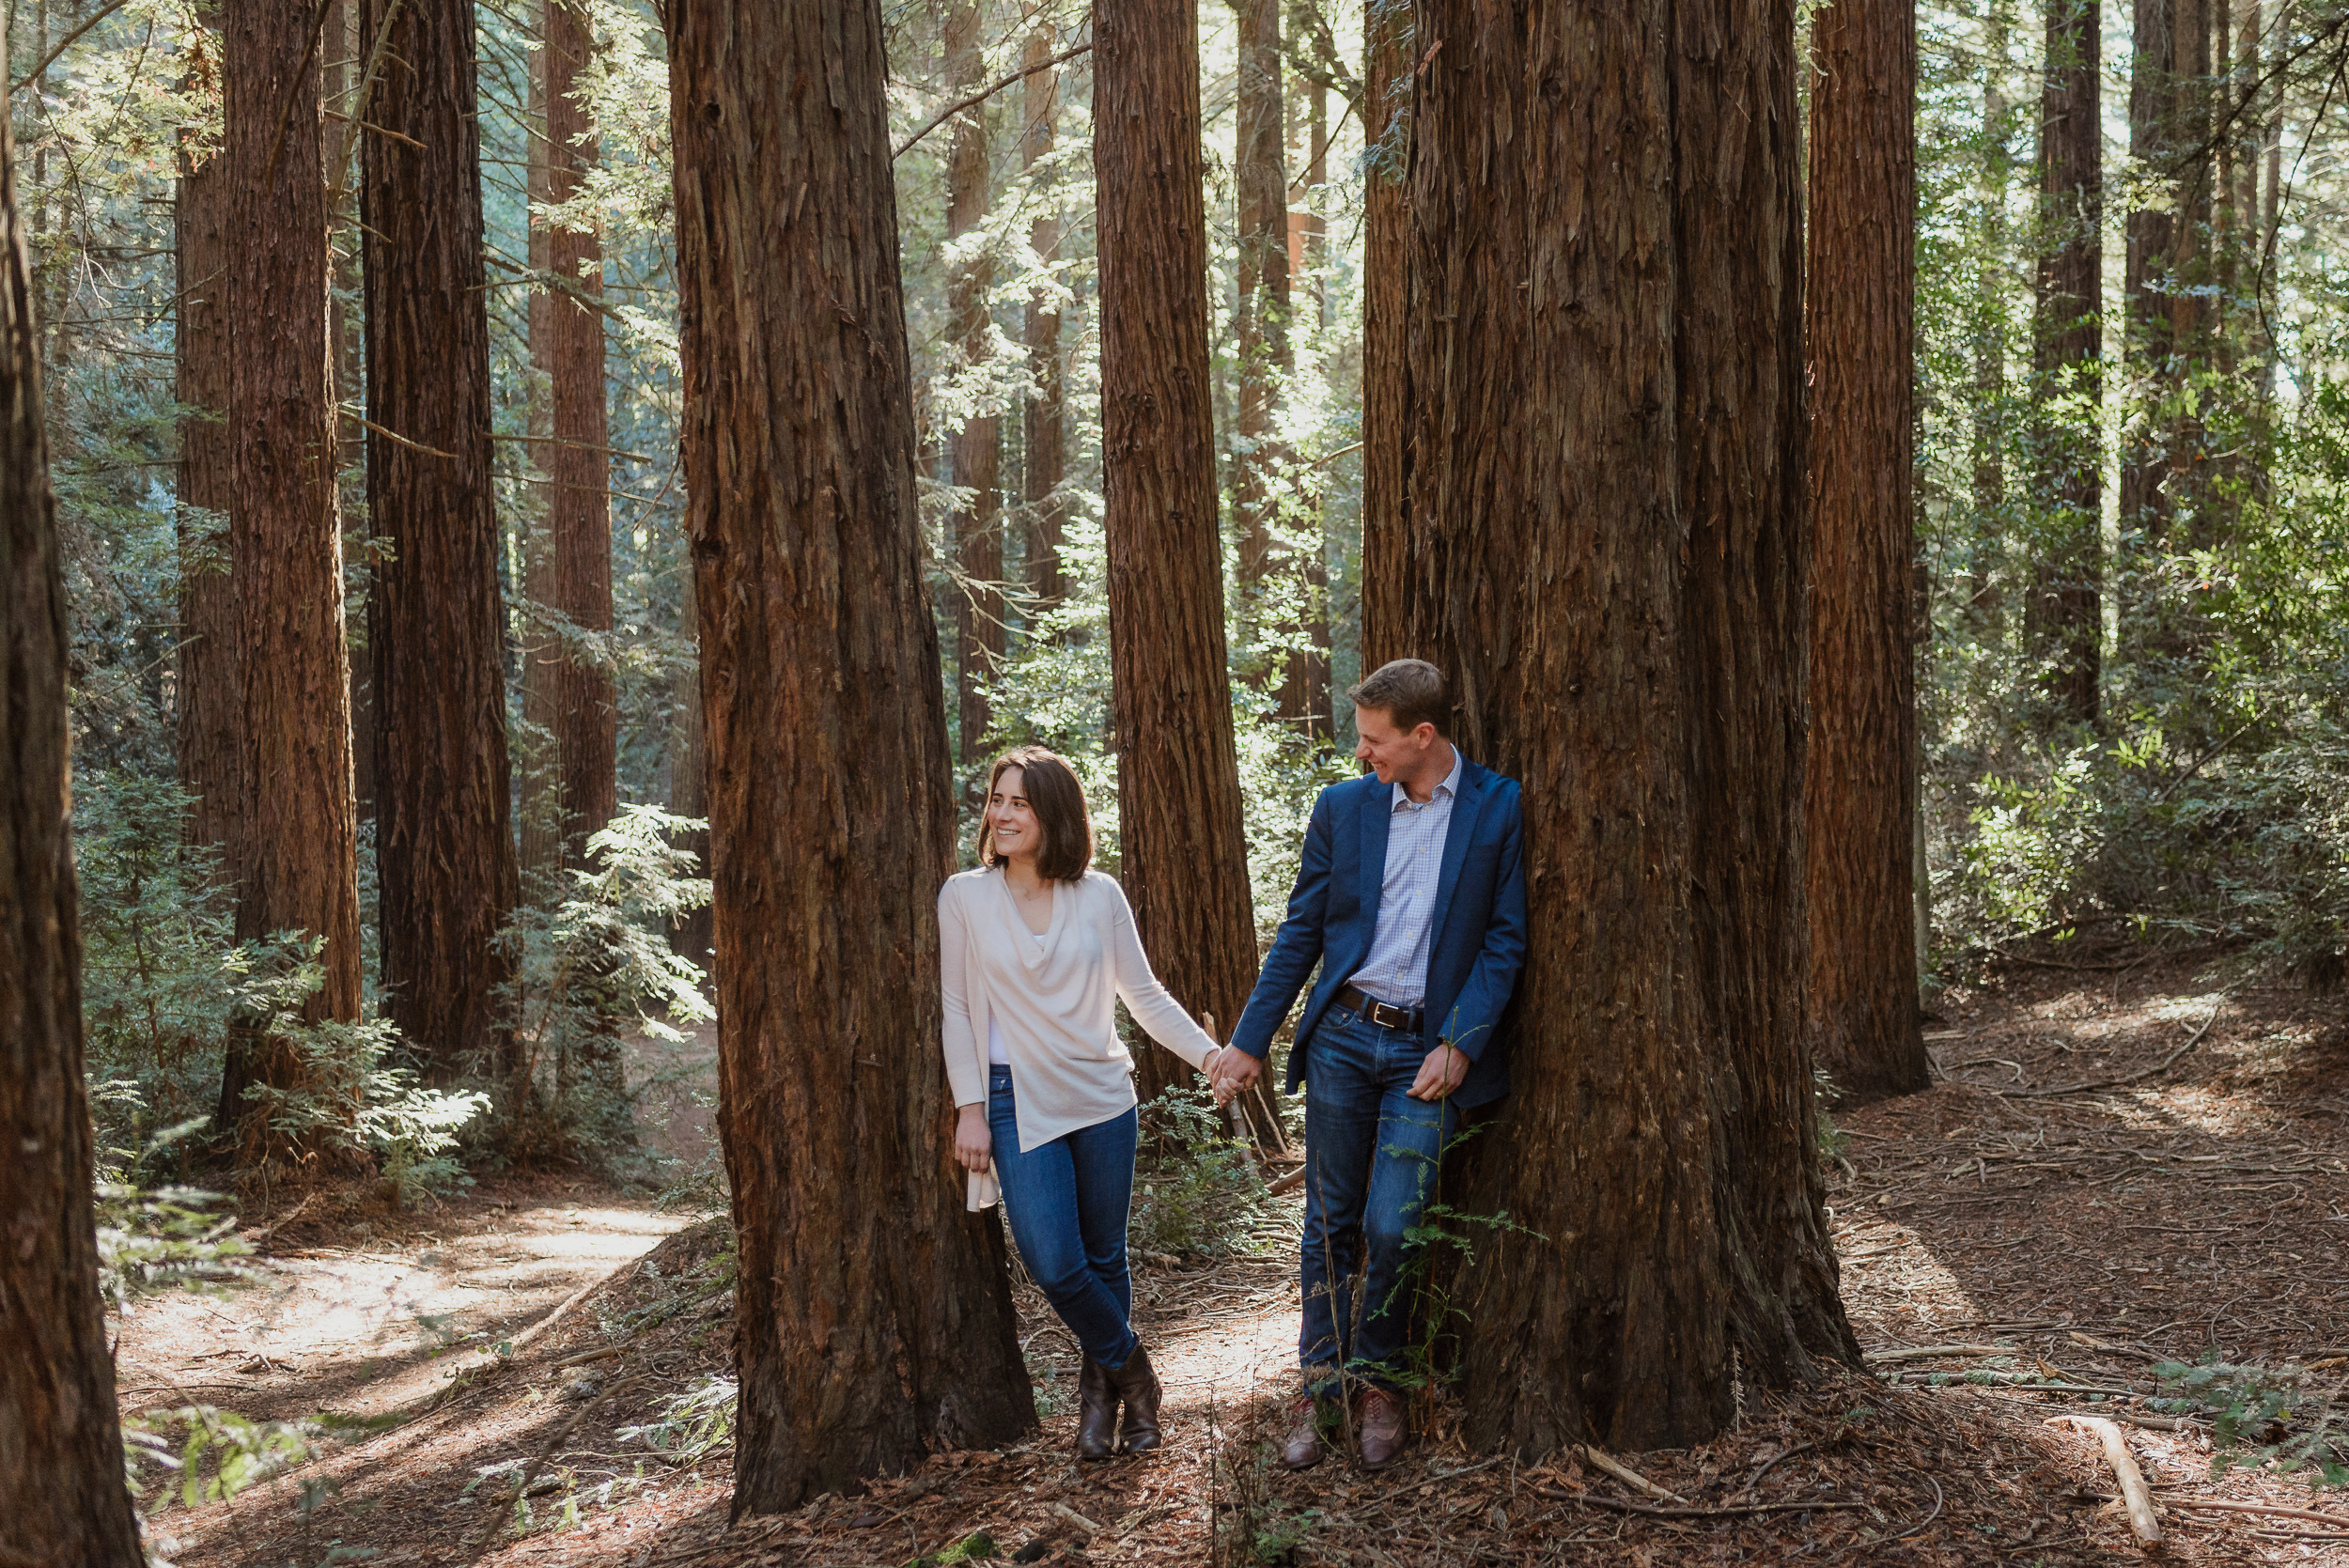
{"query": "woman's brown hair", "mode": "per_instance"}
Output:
(1051, 788)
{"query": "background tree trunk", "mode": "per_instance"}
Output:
(443, 818)
(2065, 618)
(210, 709)
(1387, 589)
(60, 1435)
(874, 1315)
(1859, 792)
(977, 525)
(1184, 849)
(1606, 481)
(1260, 191)
(2144, 493)
(539, 770)
(1043, 443)
(296, 855)
(578, 463)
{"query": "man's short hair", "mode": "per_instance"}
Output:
(1057, 797)
(1409, 692)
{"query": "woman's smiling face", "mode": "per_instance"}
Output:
(1011, 819)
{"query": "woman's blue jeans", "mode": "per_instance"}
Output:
(1067, 1201)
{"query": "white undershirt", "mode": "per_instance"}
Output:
(996, 1053)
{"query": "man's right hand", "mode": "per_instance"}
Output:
(1234, 1070)
(974, 1146)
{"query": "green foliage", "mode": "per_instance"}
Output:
(217, 1454)
(1198, 1194)
(2285, 1419)
(590, 961)
(353, 1096)
(152, 1239)
(691, 1425)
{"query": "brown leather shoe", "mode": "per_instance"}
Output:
(1379, 1423)
(1137, 1388)
(1301, 1446)
(1097, 1412)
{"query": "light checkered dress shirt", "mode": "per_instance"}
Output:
(1396, 969)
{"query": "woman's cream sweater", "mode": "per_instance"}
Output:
(1056, 1002)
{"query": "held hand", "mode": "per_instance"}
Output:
(1444, 1071)
(1232, 1071)
(974, 1145)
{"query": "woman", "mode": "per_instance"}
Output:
(1037, 948)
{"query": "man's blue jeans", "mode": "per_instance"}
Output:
(1067, 1201)
(1371, 1155)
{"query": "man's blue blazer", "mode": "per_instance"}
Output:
(1479, 925)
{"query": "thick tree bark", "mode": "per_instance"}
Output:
(60, 1435)
(577, 462)
(210, 711)
(977, 526)
(1859, 792)
(1045, 440)
(1606, 480)
(875, 1315)
(1388, 31)
(296, 851)
(2064, 619)
(1183, 843)
(2143, 498)
(437, 619)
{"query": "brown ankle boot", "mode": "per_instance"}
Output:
(1137, 1385)
(1097, 1412)
(1381, 1427)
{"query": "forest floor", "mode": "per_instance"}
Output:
(2129, 1159)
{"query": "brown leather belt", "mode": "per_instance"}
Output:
(1384, 1014)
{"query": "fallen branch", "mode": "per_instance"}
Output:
(1598, 1458)
(2340, 1519)
(2134, 1494)
(1932, 1352)
(1289, 1183)
(1692, 1512)
(2162, 1066)
(1076, 1519)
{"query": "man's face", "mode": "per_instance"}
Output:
(1391, 753)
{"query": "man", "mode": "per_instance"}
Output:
(1412, 896)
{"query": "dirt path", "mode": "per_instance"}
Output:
(2081, 1237)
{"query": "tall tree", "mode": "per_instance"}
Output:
(689, 795)
(211, 693)
(437, 619)
(585, 718)
(1260, 190)
(1859, 791)
(2153, 64)
(978, 524)
(1387, 32)
(876, 1315)
(1044, 442)
(1185, 849)
(2064, 617)
(296, 850)
(60, 1435)
(1608, 550)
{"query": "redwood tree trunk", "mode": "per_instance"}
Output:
(2145, 501)
(1859, 794)
(296, 852)
(60, 1435)
(1043, 443)
(689, 797)
(578, 463)
(1183, 849)
(1260, 189)
(437, 621)
(210, 717)
(1609, 541)
(977, 525)
(874, 1315)
(1387, 31)
(2066, 616)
